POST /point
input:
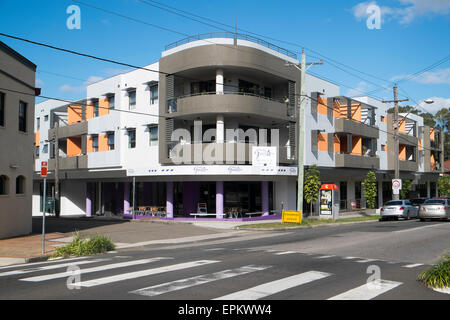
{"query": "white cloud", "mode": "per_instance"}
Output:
(406, 12)
(360, 89)
(441, 76)
(77, 89)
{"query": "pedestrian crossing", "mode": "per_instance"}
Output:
(271, 282)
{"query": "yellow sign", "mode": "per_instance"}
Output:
(292, 217)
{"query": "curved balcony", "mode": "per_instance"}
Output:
(228, 103)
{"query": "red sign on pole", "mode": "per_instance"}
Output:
(44, 166)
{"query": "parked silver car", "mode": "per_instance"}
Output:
(435, 209)
(399, 209)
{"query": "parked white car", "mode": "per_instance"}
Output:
(396, 209)
(435, 209)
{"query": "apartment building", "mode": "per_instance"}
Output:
(178, 137)
(17, 91)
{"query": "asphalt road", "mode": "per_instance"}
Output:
(321, 263)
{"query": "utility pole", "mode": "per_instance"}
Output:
(56, 204)
(301, 126)
(396, 137)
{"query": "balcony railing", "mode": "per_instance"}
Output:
(230, 35)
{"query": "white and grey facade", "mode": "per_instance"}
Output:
(126, 130)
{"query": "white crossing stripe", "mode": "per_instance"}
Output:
(95, 269)
(274, 287)
(195, 281)
(50, 267)
(325, 257)
(350, 258)
(367, 291)
(411, 266)
(366, 260)
(283, 253)
(144, 273)
(215, 249)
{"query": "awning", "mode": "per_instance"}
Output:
(329, 187)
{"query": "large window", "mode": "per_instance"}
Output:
(45, 148)
(111, 145)
(131, 138)
(203, 87)
(153, 94)
(20, 185)
(2, 109)
(4, 183)
(153, 135)
(132, 97)
(112, 102)
(22, 116)
(38, 123)
(95, 143)
(96, 109)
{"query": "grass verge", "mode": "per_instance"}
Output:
(438, 276)
(85, 247)
(307, 223)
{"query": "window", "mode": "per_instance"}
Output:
(2, 109)
(132, 138)
(96, 109)
(153, 94)
(46, 118)
(95, 143)
(111, 102)
(110, 141)
(37, 151)
(38, 123)
(132, 97)
(4, 182)
(153, 135)
(20, 185)
(22, 116)
(45, 148)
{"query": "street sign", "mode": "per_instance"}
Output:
(396, 186)
(44, 167)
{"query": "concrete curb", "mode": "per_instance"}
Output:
(305, 227)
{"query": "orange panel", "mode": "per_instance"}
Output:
(337, 144)
(89, 111)
(384, 147)
(420, 144)
(103, 142)
(322, 106)
(322, 143)
(402, 152)
(356, 112)
(383, 119)
(432, 134)
(402, 128)
(73, 146)
(103, 107)
(37, 138)
(357, 145)
(432, 162)
(74, 114)
(89, 145)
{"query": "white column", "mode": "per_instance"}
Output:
(219, 81)
(428, 189)
(220, 129)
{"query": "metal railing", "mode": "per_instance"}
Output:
(233, 93)
(231, 35)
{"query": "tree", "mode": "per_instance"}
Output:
(311, 185)
(406, 188)
(444, 186)
(370, 189)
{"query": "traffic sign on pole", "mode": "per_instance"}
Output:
(396, 186)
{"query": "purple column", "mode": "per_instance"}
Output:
(219, 199)
(265, 198)
(126, 198)
(169, 197)
(88, 200)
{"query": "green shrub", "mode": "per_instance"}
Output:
(437, 276)
(85, 247)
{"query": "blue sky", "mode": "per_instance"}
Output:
(414, 34)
